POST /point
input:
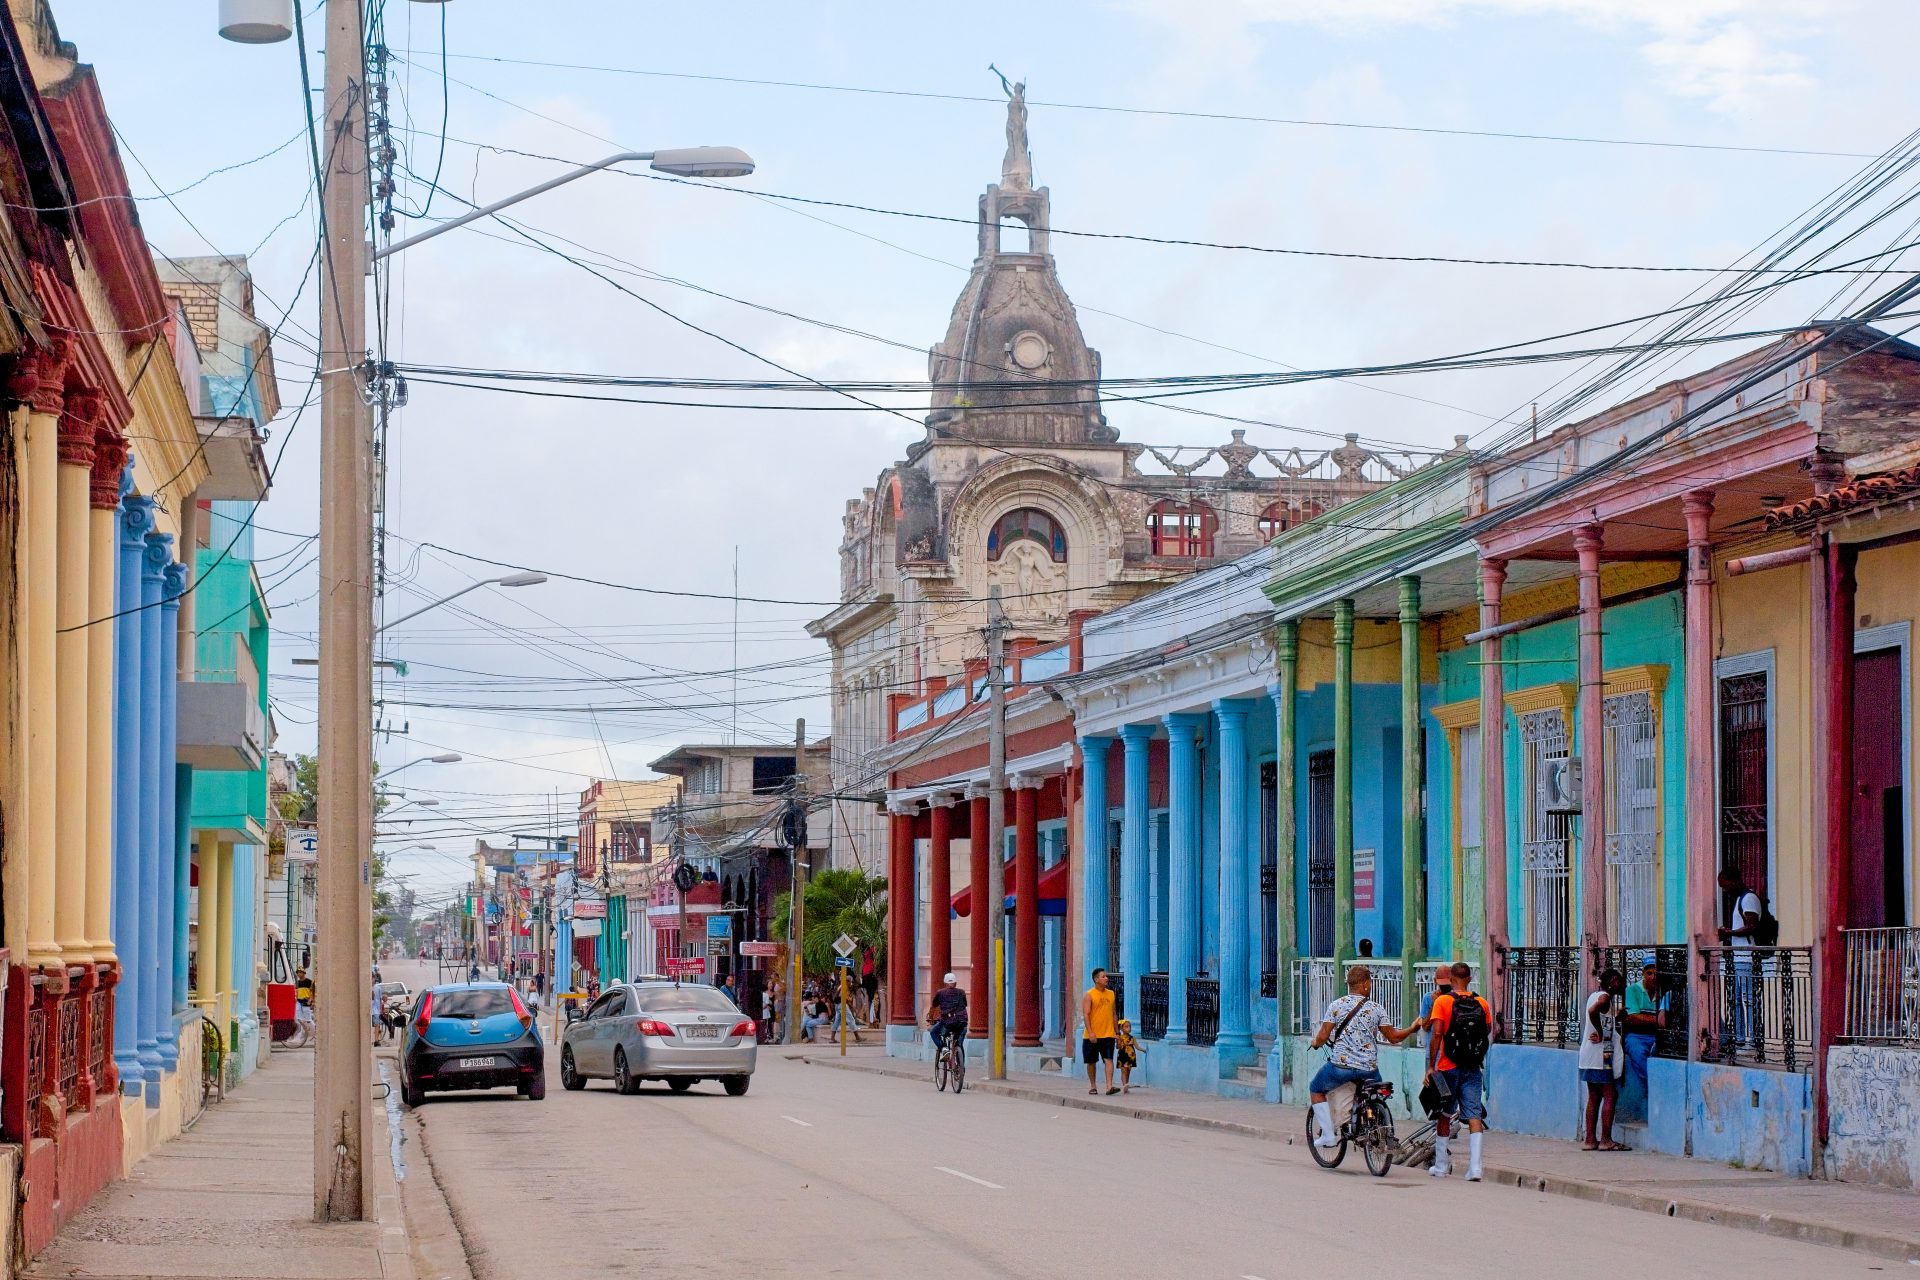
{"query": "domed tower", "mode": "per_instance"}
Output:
(1014, 367)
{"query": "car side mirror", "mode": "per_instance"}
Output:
(573, 1012)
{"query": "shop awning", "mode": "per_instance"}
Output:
(1053, 891)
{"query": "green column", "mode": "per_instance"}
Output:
(1413, 835)
(1286, 659)
(1343, 781)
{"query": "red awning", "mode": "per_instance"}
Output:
(1053, 891)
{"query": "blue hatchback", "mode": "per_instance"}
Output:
(476, 1035)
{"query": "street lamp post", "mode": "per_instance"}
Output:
(511, 580)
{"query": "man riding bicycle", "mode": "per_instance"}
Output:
(947, 1015)
(1355, 1025)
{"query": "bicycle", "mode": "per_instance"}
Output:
(213, 1062)
(950, 1064)
(1369, 1126)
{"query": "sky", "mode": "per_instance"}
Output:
(1369, 139)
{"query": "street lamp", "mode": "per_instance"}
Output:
(511, 580)
(445, 757)
(681, 162)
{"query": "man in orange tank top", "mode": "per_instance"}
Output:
(1099, 1028)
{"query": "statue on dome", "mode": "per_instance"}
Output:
(1016, 171)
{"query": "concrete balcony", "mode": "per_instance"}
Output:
(220, 725)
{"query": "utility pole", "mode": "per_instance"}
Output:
(797, 895)
(996, 836)
(342, 1081)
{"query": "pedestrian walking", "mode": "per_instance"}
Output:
(1098, 1030)
(378, 1014)
(302, 1008)
(769, 1017)
(1461, 1029)
(1126, 1054)
(869, 989)
(1602, 1062)
(473, 973)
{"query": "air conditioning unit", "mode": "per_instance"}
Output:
(1560, 785)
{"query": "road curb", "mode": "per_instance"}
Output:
(1805, 1230)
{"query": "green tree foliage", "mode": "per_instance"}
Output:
(844, 900)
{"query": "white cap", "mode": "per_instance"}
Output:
(950, 978)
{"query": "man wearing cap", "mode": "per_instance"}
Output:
(947, 1015)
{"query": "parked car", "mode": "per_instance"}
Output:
(475, 1035)
(681, 1033)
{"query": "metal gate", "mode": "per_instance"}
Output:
(1269, 876)
(1320, 852)
(1546, 849)
(1633, 816)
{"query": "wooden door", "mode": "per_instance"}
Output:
(1879, 888)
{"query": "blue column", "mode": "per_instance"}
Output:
(1096, 895)
(167, 836)
(182, 883)
(1133, 859)
(136, 517)
(1183, 863)
(153, 661)
(1236, 862)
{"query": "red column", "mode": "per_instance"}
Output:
(1702, 836)
(981, 954)
(1026, 920)
(1833, 674)
(900, 909)
(940, 888)
(1592, 753)
(1493, 785)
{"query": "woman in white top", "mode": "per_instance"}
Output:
(1603, 1059)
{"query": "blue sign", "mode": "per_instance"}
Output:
(719, 925)
(843, 962)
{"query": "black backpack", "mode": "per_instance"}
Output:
(1766, 930)
(1468, 1032)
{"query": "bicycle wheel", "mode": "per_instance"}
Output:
(1325, 1157)
(1377, 1143)
(940, 1070)
(959, 1070)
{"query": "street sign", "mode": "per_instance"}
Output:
(590, 909)
(759, 949)
(844, 945)
(686, 964)
(303, 845)
(843, 962)
(719, 947)
(719, 925)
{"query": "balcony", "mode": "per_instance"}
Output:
(219, 722)
(1759, 1007)
(1543, 996)
(1883, 987)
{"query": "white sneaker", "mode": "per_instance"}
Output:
(1442, 1163)
(1473, 1156)
(1323, 1117)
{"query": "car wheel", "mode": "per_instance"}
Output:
(737, 1085)
(623, 1080)
(535, 1088)
(570, 1077)
(679, 1084)
(413, 1095)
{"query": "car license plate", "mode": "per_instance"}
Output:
(473, 1064)
(703, 1033)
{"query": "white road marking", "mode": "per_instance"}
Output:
(970, 1178)
(1249, 1278)
(804, 1124)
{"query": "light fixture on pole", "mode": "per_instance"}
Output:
(445, 757)
(511, 580)
(256, 21)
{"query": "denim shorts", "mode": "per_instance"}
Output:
(1469, 1102)
(1332, 1075)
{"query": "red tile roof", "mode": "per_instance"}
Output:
(1864, 492)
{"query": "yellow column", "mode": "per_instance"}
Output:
(109, 457)
(208, 969)
(223, 981)
(72, 596)
(39, 518)
(13, 662)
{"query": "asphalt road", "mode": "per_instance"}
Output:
(823, 1172)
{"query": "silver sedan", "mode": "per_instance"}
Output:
(677, 1032)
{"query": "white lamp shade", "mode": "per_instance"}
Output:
(256, 21)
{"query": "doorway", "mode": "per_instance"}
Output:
(1320, 852)
(1878, 828)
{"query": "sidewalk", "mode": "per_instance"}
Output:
(1871, 1219)
(233, 1198)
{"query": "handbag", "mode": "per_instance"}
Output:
(1436, 1095)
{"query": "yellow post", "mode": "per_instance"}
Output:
(110, 455)
(72, 590)
(996, 1027)
(39, 526)
(844, 1011)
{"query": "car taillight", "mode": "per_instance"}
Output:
(744, 1027)
(520, 1011)
(425, 1015)
(651, 1027)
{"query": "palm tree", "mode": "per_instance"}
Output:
(844, 900)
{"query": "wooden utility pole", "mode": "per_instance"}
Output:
(994, 906)
(797, 894)
(343, 1061)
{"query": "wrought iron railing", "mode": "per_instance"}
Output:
(1759, 1010)
(1203, 1009)
(1313, 988)
(1883, 987)
(1386, 985)
(1542, 996)
(67, 1065)
(36, 1122)
(1670, 966)
(1153, 1006)
(1118, 983)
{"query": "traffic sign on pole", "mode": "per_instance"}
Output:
(844, 945)
(843, 962)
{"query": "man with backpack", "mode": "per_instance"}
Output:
(1460, 1032)
(1749, 925)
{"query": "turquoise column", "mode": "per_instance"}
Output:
(1413, 828)
(1343, 948)
(1236, 974)
(182, 884)
(173, 585)
(136, 517)
(1096, 895)
(1134, 740)
(1183, 863)
(154, 666)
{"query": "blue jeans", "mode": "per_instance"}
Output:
(1332, 1075)
(1466, 1084)
(941, 1032)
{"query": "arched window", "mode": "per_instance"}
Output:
(1276, 520)
(1031, 524)
(1182, 529)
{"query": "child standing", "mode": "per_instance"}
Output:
(1126, 1054)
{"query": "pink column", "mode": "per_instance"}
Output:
(1702, 887)
(1592, 753)
(1493, 783)
(901, 949)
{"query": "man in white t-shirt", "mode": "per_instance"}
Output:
(1355, 1025)
(1743, 922)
